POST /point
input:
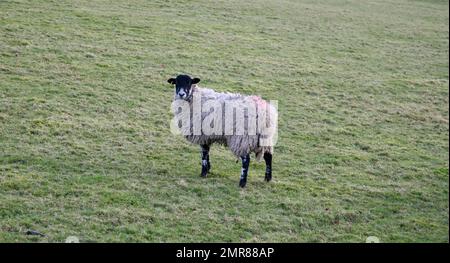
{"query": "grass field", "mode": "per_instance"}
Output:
(362, 90)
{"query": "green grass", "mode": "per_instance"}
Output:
(86, 150)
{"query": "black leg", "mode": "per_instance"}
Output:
(268, 159)
(244, 172)
(205, 160)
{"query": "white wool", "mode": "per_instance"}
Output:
(259, 142)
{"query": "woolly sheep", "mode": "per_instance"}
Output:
(253, 130)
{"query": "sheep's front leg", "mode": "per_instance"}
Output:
(245, 163)
(268, 159)
(205, 160)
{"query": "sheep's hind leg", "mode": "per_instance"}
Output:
(268, 159)
(206, 166)
(245, 163)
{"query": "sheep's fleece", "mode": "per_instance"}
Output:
(258, 142)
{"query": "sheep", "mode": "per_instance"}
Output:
(254, 130)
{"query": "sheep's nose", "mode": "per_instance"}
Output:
(181, 93)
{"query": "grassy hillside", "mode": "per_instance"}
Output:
(362, 90)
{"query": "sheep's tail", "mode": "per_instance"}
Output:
(267, 141)
(264, 149)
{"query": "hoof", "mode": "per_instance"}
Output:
(268, 177)
(204, 172)
(242, 183)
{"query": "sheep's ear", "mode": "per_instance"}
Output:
(171, 81)
(195, 80)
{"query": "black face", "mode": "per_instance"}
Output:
(183, 85)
